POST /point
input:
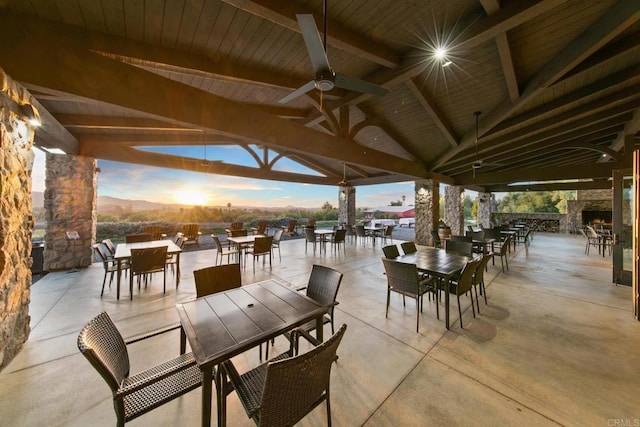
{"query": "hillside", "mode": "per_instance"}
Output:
(108, 204)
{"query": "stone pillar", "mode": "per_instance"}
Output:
(427, 209)
(16, 220)
(485, 207)
(70, 201)
(347, 205)
(454, 209)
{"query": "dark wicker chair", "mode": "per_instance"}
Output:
(391, 251)
(404, 279)
(310, 237)
(361, 233)
(503, 253)
(459, 246)
(134, 395)
(261, 248)
(464, 284)
(322, 287)
(283, 391)
(146, 261)
(107, 262)
(339, 238)
(218, 278)
(409, 247)
(478, 278)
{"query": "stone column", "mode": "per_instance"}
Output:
(347, 205)
(16, 220)
(454, 209)
(427, 209)
(70, 201)
(485, 207)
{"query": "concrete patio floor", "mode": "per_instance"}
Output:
(557, 344)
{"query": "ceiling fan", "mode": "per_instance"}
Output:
(325, 77)
(479, 163)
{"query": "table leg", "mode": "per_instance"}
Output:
(183, 341)
(446, 302)
(177, 269)
(221, 397)
(207, 384)
(320, 328)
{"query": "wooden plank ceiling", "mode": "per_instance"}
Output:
(557, 83)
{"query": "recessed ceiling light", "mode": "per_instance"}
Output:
(440, 53)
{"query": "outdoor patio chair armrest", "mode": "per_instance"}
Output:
(152, 334)
(158, 373)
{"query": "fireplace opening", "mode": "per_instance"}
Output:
(596, 217)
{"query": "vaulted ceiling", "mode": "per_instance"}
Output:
(557, 83)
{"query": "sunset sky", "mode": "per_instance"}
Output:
(136, 182)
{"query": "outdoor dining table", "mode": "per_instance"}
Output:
(323, 237)
(123, 253)
(225, 324)
(374, 231)
(439, 263)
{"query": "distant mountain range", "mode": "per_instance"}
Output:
(106, 204)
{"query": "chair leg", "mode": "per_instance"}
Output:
(418, 314)
(388, 297)
(460, 311)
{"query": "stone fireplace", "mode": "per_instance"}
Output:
(590, 206)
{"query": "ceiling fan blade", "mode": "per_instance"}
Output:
(312, 40)
(352, 83)
(298, 92)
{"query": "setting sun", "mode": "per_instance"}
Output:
(195, 198)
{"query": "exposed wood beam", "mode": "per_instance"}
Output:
(52, 129)
(617, 19)
(120, 153)
(631, 128)
(284, 13)
(618, 80)
(504, 52)
(169, 100)
(84, 121)
(609, 52)
(566, 122)
(170, 59)
(387, 128)
(600, 170)
(512, 15)
(433, 112)
(596, 184)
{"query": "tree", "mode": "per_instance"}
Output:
(396, 203)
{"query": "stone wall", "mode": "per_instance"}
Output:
(347, 205)
(485, 208)
(454, 209)
(16, 221)
(553, 222)
(70, 202)
(427, 204)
